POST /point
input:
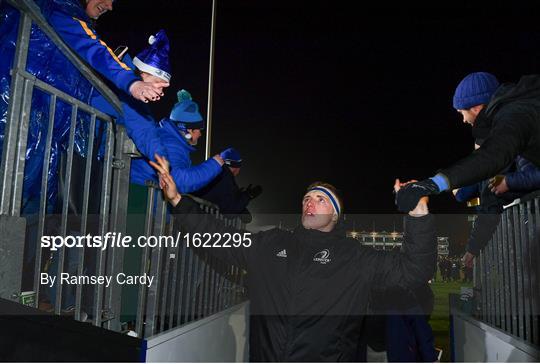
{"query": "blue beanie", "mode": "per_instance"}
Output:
(231, 157)
(155, 58)
(475, 89)
(186, 111)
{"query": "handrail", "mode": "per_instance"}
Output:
(507, 272)
(33, 11)
(202, 202)
(528, 197)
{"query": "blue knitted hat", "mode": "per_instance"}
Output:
(475, 89)
(231, 157)
(155, 58)
(186, 112)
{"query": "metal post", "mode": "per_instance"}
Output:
(181, 284)
(534, 234)
(176, 261)
(189, 283)
(196, 285)
(141, 301)
(497, 277)
(65, 208)
(222, 288)
(211, 263)
(506, 273)
(103, 222)
(499, 270)
(152, 301)
(489, 285)
(483, 274)
(519, 272)
(24, 123)
(84, 214)
(236, 291)
(229, 285)
(527, 271)
(210, 81)
(170, 258)
(43, 197)
(119, 206)
(512, 266)
(202, 285)
(206, 297)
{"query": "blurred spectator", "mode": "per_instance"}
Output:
(454, 270)
(467, 274)
(74, 23)
(443, 268)
(179, 134)
(224, 191)
(408, 335)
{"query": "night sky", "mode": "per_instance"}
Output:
(310, 90)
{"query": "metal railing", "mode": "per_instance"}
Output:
(508, 272)
(23, 85)
(189, 285)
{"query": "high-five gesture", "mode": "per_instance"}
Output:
(421, 207)
(166, 182)
(147, 91)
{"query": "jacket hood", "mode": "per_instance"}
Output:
(528, 88)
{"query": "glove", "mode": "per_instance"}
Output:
(253, 192)
(407, 197)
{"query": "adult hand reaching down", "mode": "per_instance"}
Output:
(147, 91)
(421, 207)
(408, 195)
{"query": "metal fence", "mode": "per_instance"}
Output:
(508, 272)
(189, 285)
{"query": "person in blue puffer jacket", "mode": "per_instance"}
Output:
(73, 23)
(526, 178)
(179, 134)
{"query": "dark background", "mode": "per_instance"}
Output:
(355, 95)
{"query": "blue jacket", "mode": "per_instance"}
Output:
(526, 178)
(188, 178)
(140, 125)
(75, 28)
